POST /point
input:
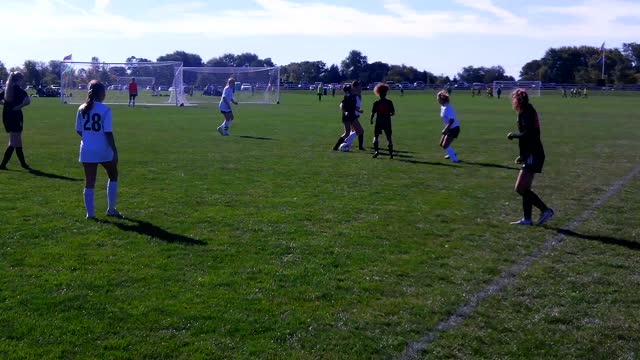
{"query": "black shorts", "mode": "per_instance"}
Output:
(132, 96)
(12, 123)
(226, 112)
(349, 119)
(452, 132)
(532, 163)
(382, 125)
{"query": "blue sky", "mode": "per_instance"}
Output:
(437, 36)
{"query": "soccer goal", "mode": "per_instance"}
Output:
(533, 87)
(254, 85)
(158, 82)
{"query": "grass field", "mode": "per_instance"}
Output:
(267, 244)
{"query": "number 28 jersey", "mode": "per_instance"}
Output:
(93, 125)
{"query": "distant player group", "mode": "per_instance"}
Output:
(97, 144)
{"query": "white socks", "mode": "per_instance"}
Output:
(452, 155)
(88, 201)
(350, 138)
(112, 194)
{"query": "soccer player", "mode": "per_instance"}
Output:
(319, 91)
(14, 99)
(225, 106)
(348, 108)
(383, 110)
(356, 127)
(133, 92)
(531, 157)
(499, 91)
(451, 125)
(97, 146)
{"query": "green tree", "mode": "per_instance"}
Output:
(4, 73)
(632, 52)
(531, 71)
(353, 65)
(188, 60)
(32, 73)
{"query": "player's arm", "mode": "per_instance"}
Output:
(373, 112)
(448, 126)
(392, 109)
(525, 129)
(25, 102)
(112, 144)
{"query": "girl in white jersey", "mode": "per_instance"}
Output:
(225, 106)
(93, 124)
(451, 125)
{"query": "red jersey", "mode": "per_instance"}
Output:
(133, 88)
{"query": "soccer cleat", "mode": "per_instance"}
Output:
(455, 161)
(90, 217)
(220, 130)
(376, 154)
(26, 166)
(114, 213)
(3, 167)
(545, 216)
(447, 156)
(522, 221)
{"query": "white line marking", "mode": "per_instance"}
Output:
(413, 349)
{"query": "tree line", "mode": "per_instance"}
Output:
(565, 65)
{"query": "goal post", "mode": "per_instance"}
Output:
(533, 87)
(156, 81)
(254, 85)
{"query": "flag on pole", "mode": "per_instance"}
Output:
(601, 59)
(67, 58)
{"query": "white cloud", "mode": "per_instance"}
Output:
(588, 19)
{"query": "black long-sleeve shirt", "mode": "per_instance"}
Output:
(529, 127)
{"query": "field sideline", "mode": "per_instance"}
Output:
(267, 244)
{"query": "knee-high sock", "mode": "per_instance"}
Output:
(112, 194)
(338, 143)
(391, 149)
(451, 153)
(361, 140)
(88, 201)
(350, 138)
(375, 144)
(7, 155)
(20, 155)
(527, 205)
(536, 201)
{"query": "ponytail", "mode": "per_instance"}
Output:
(96, 91)
(12, 81)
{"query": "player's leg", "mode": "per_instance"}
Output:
(446, 145)
(223, 129)
(16, 140)
(90, 170)
(7, 153)
(360, 132)
(387, 133)
(133, 100)
(112, 188)
(347, 131)
(523, 188)
(376, 137)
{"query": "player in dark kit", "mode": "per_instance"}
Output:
(348, 107)
(383, 110)
(531, 157)
(14, 98)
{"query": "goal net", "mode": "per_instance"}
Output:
(157, 81)
(254, 85)
(533, 87)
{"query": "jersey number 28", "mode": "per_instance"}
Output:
(92, 122)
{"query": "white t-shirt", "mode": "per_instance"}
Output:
(93, 125)
(227, 93)
(446, 113)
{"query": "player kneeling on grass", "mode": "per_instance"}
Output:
(531, 157)
(93, 124)
(225, 106)
(451, 125)
(383, 110)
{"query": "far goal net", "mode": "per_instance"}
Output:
(254, 85)
(533, 87)
(158, 82)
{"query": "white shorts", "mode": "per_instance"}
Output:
(95, 156)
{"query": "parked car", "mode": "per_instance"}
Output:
(163, 88)
(245, 87)
(405, 85)
(82, 87)
(419, 85)
(462, 85)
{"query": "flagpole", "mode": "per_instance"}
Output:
(603, 53)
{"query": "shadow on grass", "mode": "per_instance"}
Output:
(422, 162)
(490, 165)
(396, 155)
(51, 176)
(603, 239)
(146, 228)
(255, 137)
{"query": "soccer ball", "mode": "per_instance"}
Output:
(344, 147)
